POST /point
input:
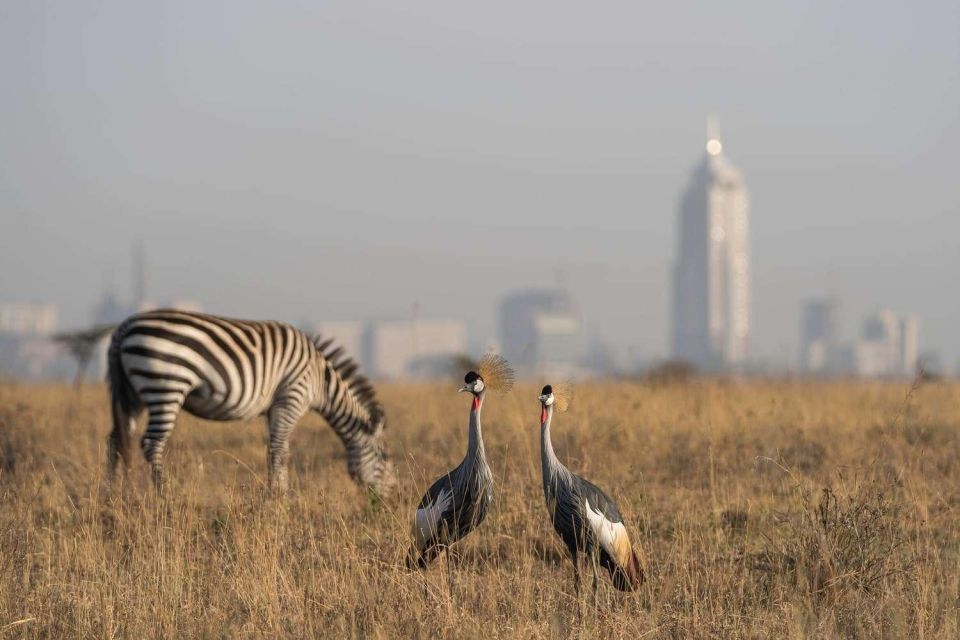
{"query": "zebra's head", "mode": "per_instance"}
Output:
(348, 402)
(368, 460)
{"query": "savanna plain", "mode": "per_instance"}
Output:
(777, 509)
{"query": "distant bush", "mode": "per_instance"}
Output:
(671, 372)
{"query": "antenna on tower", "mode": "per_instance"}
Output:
(139, 276)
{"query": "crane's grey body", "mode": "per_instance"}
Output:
(585, 518)
(457, 502)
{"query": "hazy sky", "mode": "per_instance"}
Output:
(336, 160)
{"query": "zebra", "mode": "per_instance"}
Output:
(218, 368)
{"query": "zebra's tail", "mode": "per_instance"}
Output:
(123, 404)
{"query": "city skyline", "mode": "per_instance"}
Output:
(305, 163)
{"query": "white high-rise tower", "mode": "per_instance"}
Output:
(711, 278)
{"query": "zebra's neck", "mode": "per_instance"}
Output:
(348, 406)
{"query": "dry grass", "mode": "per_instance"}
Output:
(722, 483)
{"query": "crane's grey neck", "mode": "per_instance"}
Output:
(474, 432)
(548, 459)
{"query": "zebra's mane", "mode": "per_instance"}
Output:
(348, 371)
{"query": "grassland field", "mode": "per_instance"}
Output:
(792, 509)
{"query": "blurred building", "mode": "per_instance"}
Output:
(349, 335)
(28, 318)
(540, 331)
(711, 277)
(887, 346)
(400, 348)
(26, 350)
(423, 348)
(890, 342)
(909, 350)
(819, 334)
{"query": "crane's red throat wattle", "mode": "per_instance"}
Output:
(543, 414)
(476, 403)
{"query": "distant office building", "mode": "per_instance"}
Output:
(349, 335)
(421, 348)
(881, 346)
(711, 277)
(540, 331)
(909, 348)
(399, 348)
(887, 346)
(28, 318)
(26, 350)
(819, 333)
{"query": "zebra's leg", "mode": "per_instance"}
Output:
(282, 418)
(163, 411)
(118, 444)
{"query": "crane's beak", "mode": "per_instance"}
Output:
(462, 389)
(543, 399)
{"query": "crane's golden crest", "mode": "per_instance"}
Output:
(562, 396)
(496, 372)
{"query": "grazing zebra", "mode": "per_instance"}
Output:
(221, 369)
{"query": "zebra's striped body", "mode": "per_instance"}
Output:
(222, 369)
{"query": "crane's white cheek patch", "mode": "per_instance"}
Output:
(427, 522)
(612, 536)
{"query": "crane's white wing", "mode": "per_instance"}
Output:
(612, 536)
(427, 522)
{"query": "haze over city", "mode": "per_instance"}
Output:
(315, 163)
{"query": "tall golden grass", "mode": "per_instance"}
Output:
(763, 510)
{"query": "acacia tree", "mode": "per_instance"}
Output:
(81, 345)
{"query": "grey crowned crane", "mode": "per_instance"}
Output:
(459, 500)
(585, 518)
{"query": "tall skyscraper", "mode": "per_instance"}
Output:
(711, 277)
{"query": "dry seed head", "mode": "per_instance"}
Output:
(496, 372)
(562, 396)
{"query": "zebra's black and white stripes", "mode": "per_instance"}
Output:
(221, 369)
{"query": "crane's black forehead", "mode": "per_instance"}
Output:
(471, 377)
(547, 390)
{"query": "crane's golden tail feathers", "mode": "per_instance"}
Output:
(630, 576)
(626, 570)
